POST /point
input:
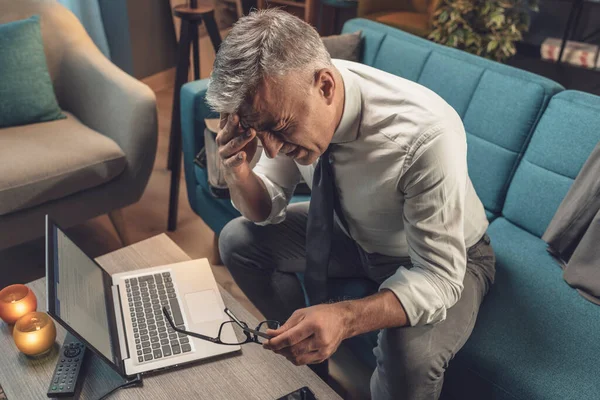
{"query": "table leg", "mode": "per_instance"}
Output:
(196, 44)
(567, 33)
(212, 30)
(181, 76)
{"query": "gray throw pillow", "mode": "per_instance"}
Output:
(345, 47)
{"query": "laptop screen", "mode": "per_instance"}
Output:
(80, 298)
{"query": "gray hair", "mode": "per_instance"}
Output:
(265, 43)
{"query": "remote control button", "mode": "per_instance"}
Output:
(148, 357)
(61, 387)
(54, 387)
(186, 348)
(141, 359)
(69, 387)
(56, 380)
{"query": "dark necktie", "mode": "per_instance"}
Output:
(319, 230)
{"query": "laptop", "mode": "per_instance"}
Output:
(119, 317)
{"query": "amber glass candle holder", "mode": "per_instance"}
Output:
(16, 301)
(34, 333)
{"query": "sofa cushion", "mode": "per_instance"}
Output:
(535, 337)
(500, 105)
(563, 140)
(26, 93)
(51, 160)
(344, 47)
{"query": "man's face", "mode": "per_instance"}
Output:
(294, 117)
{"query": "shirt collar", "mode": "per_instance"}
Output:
(347, 130)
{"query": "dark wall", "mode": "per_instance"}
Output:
(153, 43)
(551, 21)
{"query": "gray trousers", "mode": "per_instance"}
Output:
(411, 361)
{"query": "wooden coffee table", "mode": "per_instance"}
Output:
(253, 373)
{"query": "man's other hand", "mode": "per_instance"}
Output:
(311, 335)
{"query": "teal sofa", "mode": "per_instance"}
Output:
(535, 337)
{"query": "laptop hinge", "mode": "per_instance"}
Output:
(120, 323)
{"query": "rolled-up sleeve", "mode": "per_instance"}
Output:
(280, 176)
(434, 186)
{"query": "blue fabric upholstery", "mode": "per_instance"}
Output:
(499, 104)
(566, 135)
(535, 337)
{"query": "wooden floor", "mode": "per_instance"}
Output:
(148, 218)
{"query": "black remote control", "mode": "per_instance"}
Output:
(70, 359)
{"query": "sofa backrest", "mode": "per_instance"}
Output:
(563, 140)
(499, 105)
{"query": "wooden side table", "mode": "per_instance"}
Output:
(191, 16)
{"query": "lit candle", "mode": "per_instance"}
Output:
(34, 333)
(16, 301)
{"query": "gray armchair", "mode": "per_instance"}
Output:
(97, 160)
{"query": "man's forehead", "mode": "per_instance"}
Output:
(258, 118)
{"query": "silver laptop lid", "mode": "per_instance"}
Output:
(80, 296)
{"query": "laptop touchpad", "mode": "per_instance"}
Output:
(203, 306)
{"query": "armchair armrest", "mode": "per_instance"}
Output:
(112, 103)
(193, 112)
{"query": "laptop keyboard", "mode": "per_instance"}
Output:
(154, 338)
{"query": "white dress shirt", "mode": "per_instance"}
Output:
(399, 157)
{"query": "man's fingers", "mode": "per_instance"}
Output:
(292, 321)
(231, 129)
(235, 161)
(236, 144)
(223, 120)
(307, 345)
(290, 337)
(314, 357)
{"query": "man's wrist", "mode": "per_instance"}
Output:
(378, 311)
(349, 317)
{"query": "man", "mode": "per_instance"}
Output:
(389, 156)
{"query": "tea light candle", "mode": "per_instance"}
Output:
(34, 333)
(16, 301)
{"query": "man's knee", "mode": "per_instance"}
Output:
(235, 239)
(408, 365)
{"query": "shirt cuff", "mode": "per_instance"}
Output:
(279, 202)
(418, 296)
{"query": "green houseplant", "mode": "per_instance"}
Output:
(488, 28)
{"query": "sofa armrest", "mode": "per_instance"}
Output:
(112, 103)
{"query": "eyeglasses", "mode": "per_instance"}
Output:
(241, 329)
